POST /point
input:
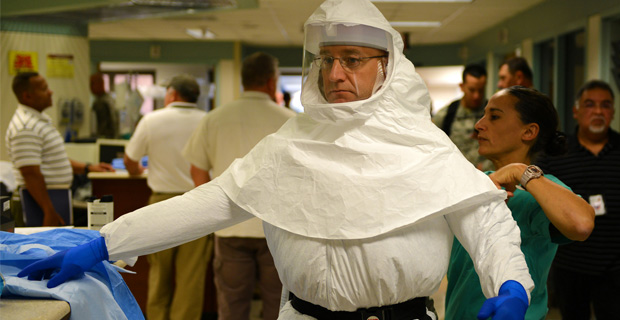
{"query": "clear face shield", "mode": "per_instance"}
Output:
(344, 63)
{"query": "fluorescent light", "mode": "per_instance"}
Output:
(422, 0)
(416, 24)
(200, 33)
(207, 34)
(196, 33)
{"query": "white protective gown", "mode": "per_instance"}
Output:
(360, 201)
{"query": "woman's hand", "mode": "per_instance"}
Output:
(569, 213)
(508, 177)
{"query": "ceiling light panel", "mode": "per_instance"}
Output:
(186, 3)
(415, 24)
(422, 1)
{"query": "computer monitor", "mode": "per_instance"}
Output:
(109, 149)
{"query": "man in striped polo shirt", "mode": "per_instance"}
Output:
(37, 149)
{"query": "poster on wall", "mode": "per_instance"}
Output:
(60, 65)
(23, 61)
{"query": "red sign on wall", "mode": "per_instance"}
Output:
(22, 61)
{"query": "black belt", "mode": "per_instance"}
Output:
(411, 309)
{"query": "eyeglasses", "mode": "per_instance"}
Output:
(349, 63)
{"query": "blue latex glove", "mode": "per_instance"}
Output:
(72, 263)
(510, 304)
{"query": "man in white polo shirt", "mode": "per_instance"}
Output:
(161, 135)
(37, 149)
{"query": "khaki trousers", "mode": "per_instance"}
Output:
(177, 277)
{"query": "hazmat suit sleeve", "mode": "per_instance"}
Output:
(170, 223)
(492, 239)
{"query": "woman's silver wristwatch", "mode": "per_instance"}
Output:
(531, 172)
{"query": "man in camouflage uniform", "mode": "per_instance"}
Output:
(458, 119)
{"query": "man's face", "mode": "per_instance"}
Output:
(506, 79)
(346, 84)
(38, 96)
(595, 111)
(473, 91)
(97, 85)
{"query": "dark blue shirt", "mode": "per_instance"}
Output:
(590, 175)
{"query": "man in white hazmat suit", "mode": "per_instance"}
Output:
(360, 196)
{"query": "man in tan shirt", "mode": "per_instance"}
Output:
(229, 132)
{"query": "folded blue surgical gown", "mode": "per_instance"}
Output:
(100, 294)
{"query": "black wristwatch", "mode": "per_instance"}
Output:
(86, 168)
(531, 172)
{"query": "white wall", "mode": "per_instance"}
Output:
(228, 85)
(443, 84)
(163, 71)
(63, 88)
(166, 71)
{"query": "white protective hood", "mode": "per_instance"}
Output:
(360, 169)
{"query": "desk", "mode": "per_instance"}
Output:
(131, 193)
(25, 308)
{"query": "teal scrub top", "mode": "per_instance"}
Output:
(464, 296)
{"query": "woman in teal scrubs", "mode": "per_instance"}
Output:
(519, 124)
